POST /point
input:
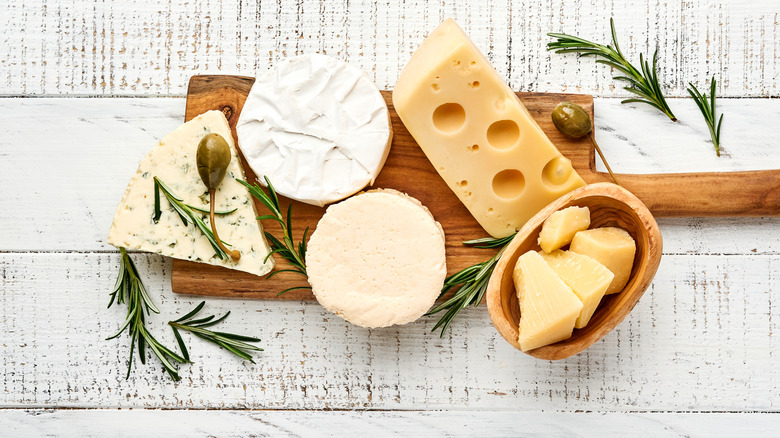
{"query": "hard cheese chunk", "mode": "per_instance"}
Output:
(548, 307)
(588, 279)
(477, 134)
(560, 227)
(173, 162)
(610, 246)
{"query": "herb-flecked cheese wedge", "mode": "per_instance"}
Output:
(173, 163)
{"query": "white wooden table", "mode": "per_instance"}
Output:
(88, 88)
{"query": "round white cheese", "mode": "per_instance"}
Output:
(317, 127)
(377, 259)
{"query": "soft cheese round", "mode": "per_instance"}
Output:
(317, 127)
(377, 259)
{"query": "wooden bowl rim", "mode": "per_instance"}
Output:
(644, 270)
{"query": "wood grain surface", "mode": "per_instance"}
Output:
(407, 169)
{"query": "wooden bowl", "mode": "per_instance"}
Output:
(610, 206)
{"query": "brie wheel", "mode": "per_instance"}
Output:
(317, 127)
(377, 259)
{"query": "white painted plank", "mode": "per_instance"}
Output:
(639, 139)
(185, 424)
(146, 47)
(64, 176)
(704, 337)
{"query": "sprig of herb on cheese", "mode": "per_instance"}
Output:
(295, 255)
(707, 107)
(130, 289)
(236, 344)
(473, 282)
(186, 213)
(643, 83)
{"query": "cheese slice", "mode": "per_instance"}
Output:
(377, 259)
(610, 246)
(173, 162)
(477, 134)
(317, 127)
(588, 279)
(560, 227)
(548, 307)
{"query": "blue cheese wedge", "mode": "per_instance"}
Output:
(173, 163)
(377, 259)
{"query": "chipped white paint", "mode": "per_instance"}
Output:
(310, 424)
(85, 150)
(703, 338)
(639, 139)
(147, 47)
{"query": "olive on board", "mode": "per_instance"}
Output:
(213, 157)
(571, 120)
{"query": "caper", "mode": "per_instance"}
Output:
(213, 157)
(571, 120)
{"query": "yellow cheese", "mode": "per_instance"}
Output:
(548, 307)
(479, 137)
(561, 226)
(612, 247)
(588, 279)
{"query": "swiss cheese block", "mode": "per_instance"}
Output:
(173, 162)
(477, 134)
(377, 259)
(560, 227)
(548, 307)
(317, 127)
(610, 246)
(588, 279)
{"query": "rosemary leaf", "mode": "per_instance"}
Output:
(642, 83)
(130, 290)
(236, 344)
(473, 282)
(707, 107)
(294, 255)
(187, 215)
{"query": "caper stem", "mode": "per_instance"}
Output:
(604, 160)
(234, 254)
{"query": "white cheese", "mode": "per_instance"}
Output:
(317, 127)
(377, 259)
(173, 162)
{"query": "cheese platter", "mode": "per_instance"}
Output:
(413, 179)
(753, 193)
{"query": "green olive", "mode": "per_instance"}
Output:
(571, 120)
(213, 157)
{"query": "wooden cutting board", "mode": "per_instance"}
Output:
(407, 169)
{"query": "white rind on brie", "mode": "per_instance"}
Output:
(377, 259)
(317, 127)
(173, 162)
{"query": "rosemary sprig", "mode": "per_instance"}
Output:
(236, 344)
(295, 255)
(642, 83)
(130, 289)
(473, 282)
(707, 107)
(186, 213)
